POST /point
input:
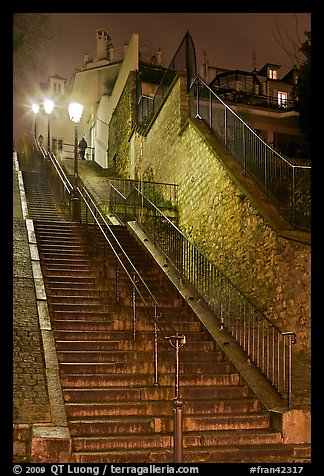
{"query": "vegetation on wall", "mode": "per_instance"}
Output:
(302, 89)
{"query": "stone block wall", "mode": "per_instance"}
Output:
(120, 127)
(217, 216)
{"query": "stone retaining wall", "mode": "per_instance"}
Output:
(217, 216)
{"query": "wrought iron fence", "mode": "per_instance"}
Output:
(286, 185)
(67, 152)
(265, 344)
(162, 194)
(183, 60)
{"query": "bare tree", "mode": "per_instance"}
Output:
(291, 47)
(32, 33)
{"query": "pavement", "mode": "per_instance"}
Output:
(30, 403)
(30, 395)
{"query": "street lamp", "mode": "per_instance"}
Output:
(48, 107)
(35, 108)
(75, 113)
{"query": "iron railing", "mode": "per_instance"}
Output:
(183, 60)
(67, 152)
(162, 194)
(264, 343)
(249, 98)
(286, 185)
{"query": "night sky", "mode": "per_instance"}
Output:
(229, 39)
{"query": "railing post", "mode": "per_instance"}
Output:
(291, 340)
(225, 126)
(155, 351)
(76, 206)
(117, 284)
(177, 429)
(197, 102)
(180, 341)
(210, 112)
(134, 308)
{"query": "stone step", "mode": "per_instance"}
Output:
(257, 454)
(87, 320)
(160, 407)
(74, 266)
(64, 285)
(140, 424)
(115, 334)
(190, 441)
(119, 312)
(122, 443)
(77, 294)
(139, 356)
(71, 308)
(106, 380)
(71, 273)
(54, 279)
(112, 367)
(108, 394)
(77, 253)
(127, 345)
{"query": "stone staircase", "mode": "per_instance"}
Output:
(115, 412)
(41, 202)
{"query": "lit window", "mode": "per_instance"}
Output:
(272, 73)
(282, 99)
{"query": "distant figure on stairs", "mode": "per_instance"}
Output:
(82, 148)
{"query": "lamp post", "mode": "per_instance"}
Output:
(48, 107)
(75, 113)
(35, 108)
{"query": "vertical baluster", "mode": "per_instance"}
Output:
(117, 284)
(155, 349)
(278, 361)
(134, 308)
(273, 357)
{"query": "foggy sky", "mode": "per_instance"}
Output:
(230, 40)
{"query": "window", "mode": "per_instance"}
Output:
(272, 73)
(282, 99)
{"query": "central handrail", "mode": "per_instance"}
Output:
(175, 339)
(138, 278)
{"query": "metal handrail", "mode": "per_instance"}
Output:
(176, 340)
(89, 202)
(266, 345)
(163, 194)
(284, 184)
(57, 166)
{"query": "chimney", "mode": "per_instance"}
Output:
(102, 43)
(159, 57)
(86, 58)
